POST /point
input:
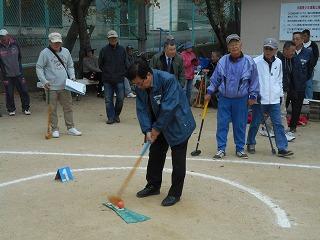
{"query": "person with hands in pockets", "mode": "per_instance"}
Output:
(166, 119)
(53, 67)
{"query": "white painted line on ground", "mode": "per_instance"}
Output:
(189, 159)
(281, 216)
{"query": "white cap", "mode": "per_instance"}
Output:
(112, 33)
(3, 32)
(55, 37)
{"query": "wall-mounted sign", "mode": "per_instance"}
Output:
(299, 16)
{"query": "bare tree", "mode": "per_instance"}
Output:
(224, 17)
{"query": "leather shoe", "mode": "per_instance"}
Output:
(117, 119)
(170, 200)
(110, 121)
(148, 191)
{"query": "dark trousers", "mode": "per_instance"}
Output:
(296, 99)
(21, 85)
(157, 157)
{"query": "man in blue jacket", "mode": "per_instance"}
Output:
(166, 120)
(236, 80)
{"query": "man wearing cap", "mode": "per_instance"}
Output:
(53, 67)
(189, 62)
(271, 91)
(169, 61)
(11, 73)
(113, 63)
(236, 80)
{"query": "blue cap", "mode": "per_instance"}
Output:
(188, 45)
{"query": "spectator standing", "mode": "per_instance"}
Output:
(11, 73)
(237, 83)
(307, 43)
(169, 61)
(113, 64)
(297, 92)
(53, 67)
(271, 91)
(189, 62)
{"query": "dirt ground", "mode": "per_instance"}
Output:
(265, 197)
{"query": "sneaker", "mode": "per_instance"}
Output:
(131, 95)
(290, 136)
(220, 154)
(263, 132)
(12, 113)
(117, 119)
(74, 132)
(251, 148)
(27, 112)
(242, 154)
(55, 134)
(284, 153)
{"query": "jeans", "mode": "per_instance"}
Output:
(275, 114)
(127, 87)
(21, 85)
(109, 89)
(233, 110)
(309, 89)
(157, 157)
(188, 89)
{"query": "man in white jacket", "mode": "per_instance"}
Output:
(271, 91)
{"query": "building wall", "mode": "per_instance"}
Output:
(261, 19)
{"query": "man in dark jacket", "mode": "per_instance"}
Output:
(166, 120)
(11, 73)
(315, 52)
(113, 64)
(296, 94)
(170, 61)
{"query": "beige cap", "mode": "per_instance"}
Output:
(112, 33)
(55, 37)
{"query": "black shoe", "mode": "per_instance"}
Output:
(117, 119)
(251, 148)
(110, 121)
(148, 191)
(169, 201)
(284, 153)
(100, 95)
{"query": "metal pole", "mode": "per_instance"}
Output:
(20, 22)
(193, 17)
(170, 18)
(46, 15)
(1, 14)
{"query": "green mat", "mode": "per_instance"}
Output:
(127, 215)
